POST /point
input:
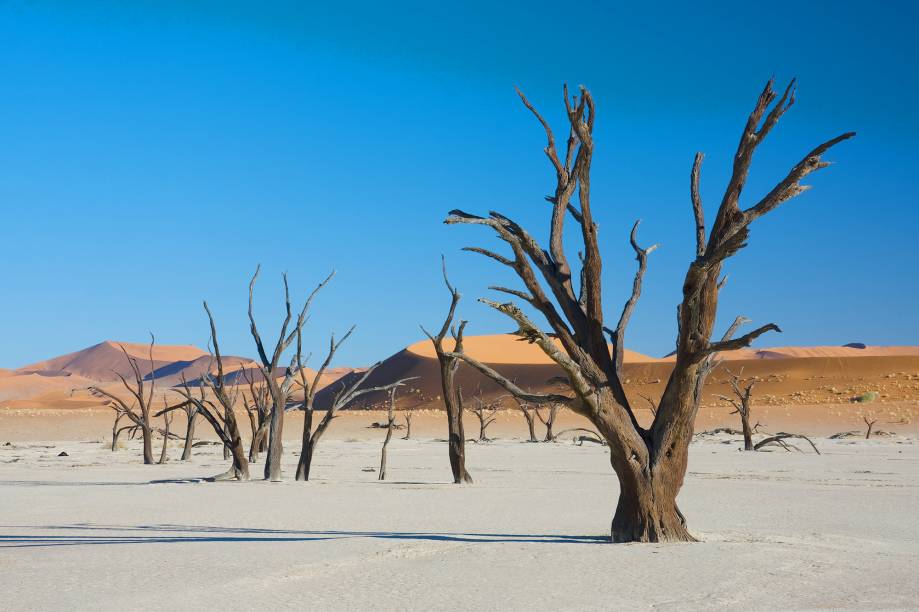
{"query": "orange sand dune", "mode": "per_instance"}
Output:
(816, 375)
(797, 352)
(506, 348)
(26, 386)
(100, 362)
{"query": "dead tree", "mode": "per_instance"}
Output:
(742, 406)
(485, 412)
(407, 414)
(548, 421)
(116, 431)
(138, 412)
(870, 423)
(220, 412)
(390, 423)
(448, 365)
(347, 393)
(279, 391)
(650, 463)
(529, 413)
(191, 418)
(167, 421)
(780, 438)
(258, 407)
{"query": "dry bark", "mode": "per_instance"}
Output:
(448, 361)
(650, 463)
(258, 407)
(167, 420)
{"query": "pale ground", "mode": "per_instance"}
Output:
(779, 530)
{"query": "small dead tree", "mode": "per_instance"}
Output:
(138, 412)
(191, 419)
(408, 413)
(167, 421)
(347, 393)
(650, 463)
(549, 421)
(258, 407)
(869, 421)
(390, 424)
(279, 391)
(448, 365)
(530, 413)
(116, 431)
(220, 412)
(485, 412)
(741, 405)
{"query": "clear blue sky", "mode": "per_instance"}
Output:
(151, 153)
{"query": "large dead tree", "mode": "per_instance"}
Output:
(448, 361)
(650, 463)
(279, 391)
(741, 402)
(138, 411)
(347, 392)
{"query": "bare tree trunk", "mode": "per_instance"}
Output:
(306, 447)
(167, 419)
(390, 422)
(189, 434)
(530, 418)
(456, 435)
(408, 425)
(747, 431)
(147, 433)
(870, 423)
(115, 430)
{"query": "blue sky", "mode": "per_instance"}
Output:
(152, 154)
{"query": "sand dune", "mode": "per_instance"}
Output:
(101, 361)
(810, 375)
(799, 352)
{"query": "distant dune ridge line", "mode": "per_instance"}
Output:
(62, 381)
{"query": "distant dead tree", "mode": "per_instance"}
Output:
(116, 430)
(258, 407)
(448, 366)
(650, 463)
(741, 405)
(486, 412)
(191, 418)
(167, 421)
(347, 393)
(549, 421)
(869, 421)
(390, 425)
(529, 412)
(220, 412)
(408, 413)
(138, 412)
(279, 391)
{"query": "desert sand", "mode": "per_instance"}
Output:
(777, 529)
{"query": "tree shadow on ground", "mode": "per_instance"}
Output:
(179, 534)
